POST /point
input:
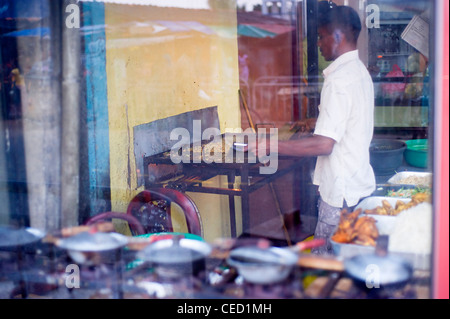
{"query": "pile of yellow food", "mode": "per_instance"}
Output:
(353, 229)
(387, 209)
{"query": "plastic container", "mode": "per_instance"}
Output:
(416, 153)
(386, 155)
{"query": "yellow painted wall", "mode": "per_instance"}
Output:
(154, 73)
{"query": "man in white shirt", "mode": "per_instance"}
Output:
(344, 127)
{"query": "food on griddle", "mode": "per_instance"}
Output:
(386, 208)
(354, 230)
(207, 148)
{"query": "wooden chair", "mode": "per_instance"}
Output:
(150, 212)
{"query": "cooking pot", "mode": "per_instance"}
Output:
(367, 271)
(88, 248)
(11, 238)
(373, 271)
(267, 265)
(386, 155)
(262, 266)
(176, 257)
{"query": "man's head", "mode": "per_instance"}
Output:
(338, 30)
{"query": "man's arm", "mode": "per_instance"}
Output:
(316, 145)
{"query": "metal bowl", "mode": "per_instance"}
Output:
(11, 238)
(378, 271)
(93, 249)
(177, 257)
(262, 266)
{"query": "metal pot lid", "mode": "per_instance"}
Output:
(262, 256)
(96, 242)
(174, 251)
(383, 269)
(10, 237)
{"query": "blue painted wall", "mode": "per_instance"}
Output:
(96, 106)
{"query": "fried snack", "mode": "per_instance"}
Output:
(420, 198)
(365, 231)
(379, 210)
(386, 208)
(365, 240)
(354, 230)
(344, 231)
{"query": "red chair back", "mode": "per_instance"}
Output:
(135, 225)
(152, 208)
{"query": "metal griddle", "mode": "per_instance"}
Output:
(194, 177)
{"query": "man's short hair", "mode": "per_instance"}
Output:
(343, 18)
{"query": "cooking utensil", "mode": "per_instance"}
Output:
(262, 266)
(240, 147)
(268, 265)
(93, 248)
(329, 263)
(386, 155)
(54, 236)
(379, 269)
(11, 238)
(384, 271)
(238, 141)
(176, 257)
(308, 244)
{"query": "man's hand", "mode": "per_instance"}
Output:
(263, 144)
(306, 125)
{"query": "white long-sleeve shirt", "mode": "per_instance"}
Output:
(346, 114)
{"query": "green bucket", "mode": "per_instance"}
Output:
(416, 153)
